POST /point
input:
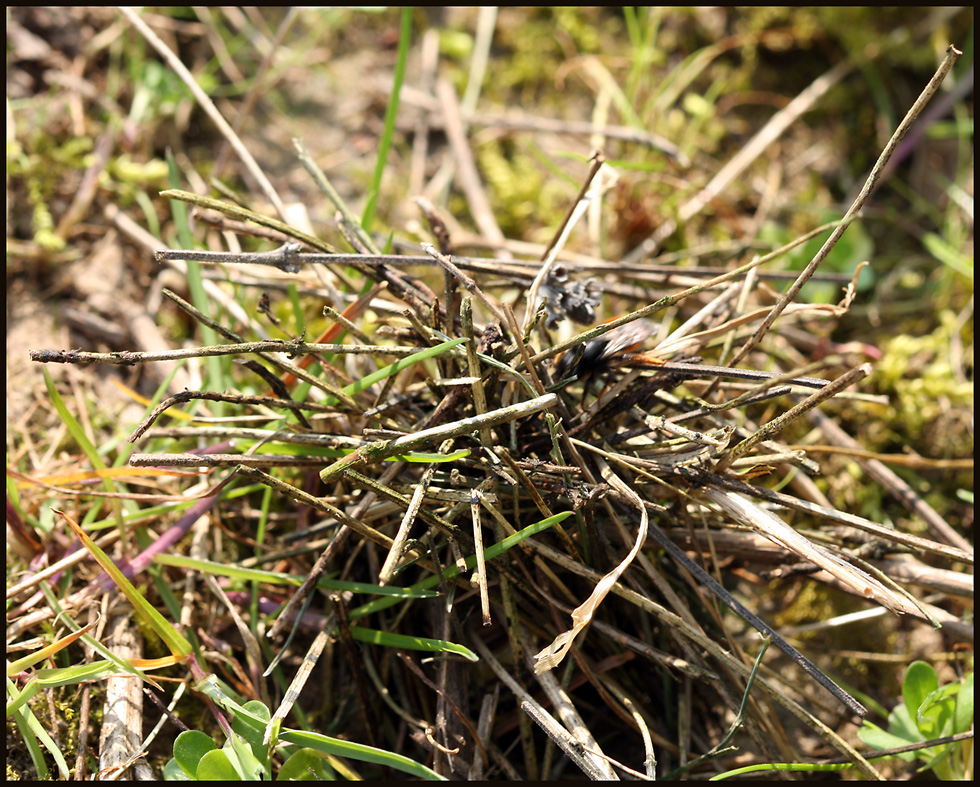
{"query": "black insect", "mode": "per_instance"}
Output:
(597, 356)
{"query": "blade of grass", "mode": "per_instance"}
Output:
(78, 433)
(322, 743)
(391, 113)
(450, 572)
(402, 363)
(35, 737)
(278, 578)
(358, 751)
(175, 641)
(405, 642)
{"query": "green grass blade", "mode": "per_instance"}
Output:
(278, 578)
(35, 737)
(358, 751)
(391, 113)
(449, 572)
(402, 363)
(195, 281)
(403, 641)
(175, 641)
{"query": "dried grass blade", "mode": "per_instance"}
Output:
(552, 655)
(853, 579)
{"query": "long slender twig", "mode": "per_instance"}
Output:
(125, 358)
(778, 424)
(289, 257)
(869, 185)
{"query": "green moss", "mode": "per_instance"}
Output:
(522, 195)
(41, 165)
(817, 602)
(917, 375)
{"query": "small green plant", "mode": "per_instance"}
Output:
(309, 756)
(242, 758)
(929, 711)
(197, 757)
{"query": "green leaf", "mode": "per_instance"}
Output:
(462, 453)
(70, 676)
(35, 737)
(402, 363)
(358, 751)
(278, 578)
(243, 713)
(901, 723)
(174, 640)
(452, 571)
(920, 681)
(75, 429)
(306, 765)
(258, 709)
(189, 748)
(391, 115)
(388, 640)
(172, 772)
(879, 739)
(947, 254)
(243, 759)
(935, 715)
(17, 701)
(963, 713)
(250, 733)
(216, 767)
(936, 759)
(80, 437)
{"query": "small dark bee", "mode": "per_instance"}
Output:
(596, 356)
